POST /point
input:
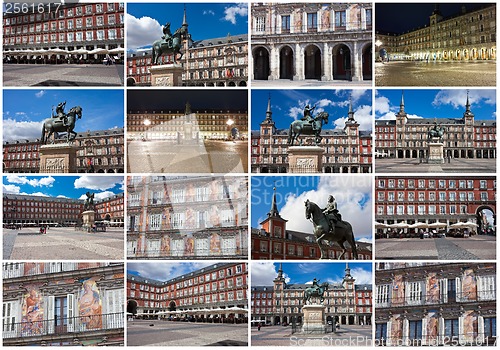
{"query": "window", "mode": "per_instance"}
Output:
(451, 328)
(415, 330)
(414, 293)
(340, 19)
(260, 24)
(312, 21)
(381, 331)
(155, 222)
(383, 295)
(285, 24)
(368, 17)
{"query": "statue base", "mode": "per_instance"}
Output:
(57, 158)
(305, 159)
(314, 319)
(436, 153)
(166, 75)
(88, 218)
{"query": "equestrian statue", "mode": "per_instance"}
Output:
(315, 291)
(89, 201)
(170, 43)
(61, 122)
(329, 226)
(308, 125)
(436, 131)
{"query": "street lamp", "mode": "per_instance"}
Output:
(229, 123)
(146, 122)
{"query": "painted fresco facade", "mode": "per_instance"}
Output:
(63, 304)
(435, 304)
(187, 217)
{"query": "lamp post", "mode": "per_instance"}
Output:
(230, 123)
(146, 123)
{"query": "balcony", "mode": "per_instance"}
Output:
(64, 326)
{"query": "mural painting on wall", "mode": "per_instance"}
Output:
(32, 312)
(189, 247)
(89, 305)
(165, 245)
(214, 216)
(33, 268)
(190, 219)
(396, 331)
(432, 326)
(325, 19)
(470, 325)
(469, 286)
(398, 291)
(432, 288)
(214, 244)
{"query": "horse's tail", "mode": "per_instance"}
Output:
(351, 240)
(42, 138)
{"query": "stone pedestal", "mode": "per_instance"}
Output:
(436, 153)
(57, 158)
(166, 75)
(88, 218)
(314, 319)
(305, 159)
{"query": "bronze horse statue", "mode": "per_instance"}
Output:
(161, 47)
(315, 291)
(52, 125)
(437, 131)
(341, 233)
(300, 127)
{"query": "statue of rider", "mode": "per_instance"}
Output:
(308, 111)
(167, 34)
(315, 283)
(332, 212)
(60, 113)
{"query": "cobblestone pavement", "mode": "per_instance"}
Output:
(282, 336)
(67, 244)
(62, 75)
(210, 157)
(449, 248)
(9, 238)
(286, 83)
(456, 165)
(421, 73)
(170, 333)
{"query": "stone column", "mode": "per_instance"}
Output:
(356, 66)
(274, 58)
(327, 68)
(299, 63)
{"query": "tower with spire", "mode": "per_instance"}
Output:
(348, 281)
(268, 126)
(351, 122)
(274, 224)
(401, 116)
(468, 115)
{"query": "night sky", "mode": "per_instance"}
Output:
(399, 18)
(149, 100)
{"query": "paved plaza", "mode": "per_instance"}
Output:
(176, 333)
(449, 248)
(62, 75)
(435, 73)
(282, 336)
(209, 157)
(63, 243)
(455, 165)
(287, 83)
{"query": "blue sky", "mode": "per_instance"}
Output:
(205, 20)
(352, 193)
(435, 103)
(263, 273)
(63, 186)
(163, 271)
(25, 110)
(288, 105)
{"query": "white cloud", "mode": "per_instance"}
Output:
(353, 196)
(362, 276)
(362, 114)
(458, 98)
(38, 194)
(382, 104)
(142, 31)
(35, 182)
(161, 271)
(263, 274)
(12, 189)
(40, 93)
(209, 12)
(98, 182)
(231, 13)
(23, 130)
(61, 196)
